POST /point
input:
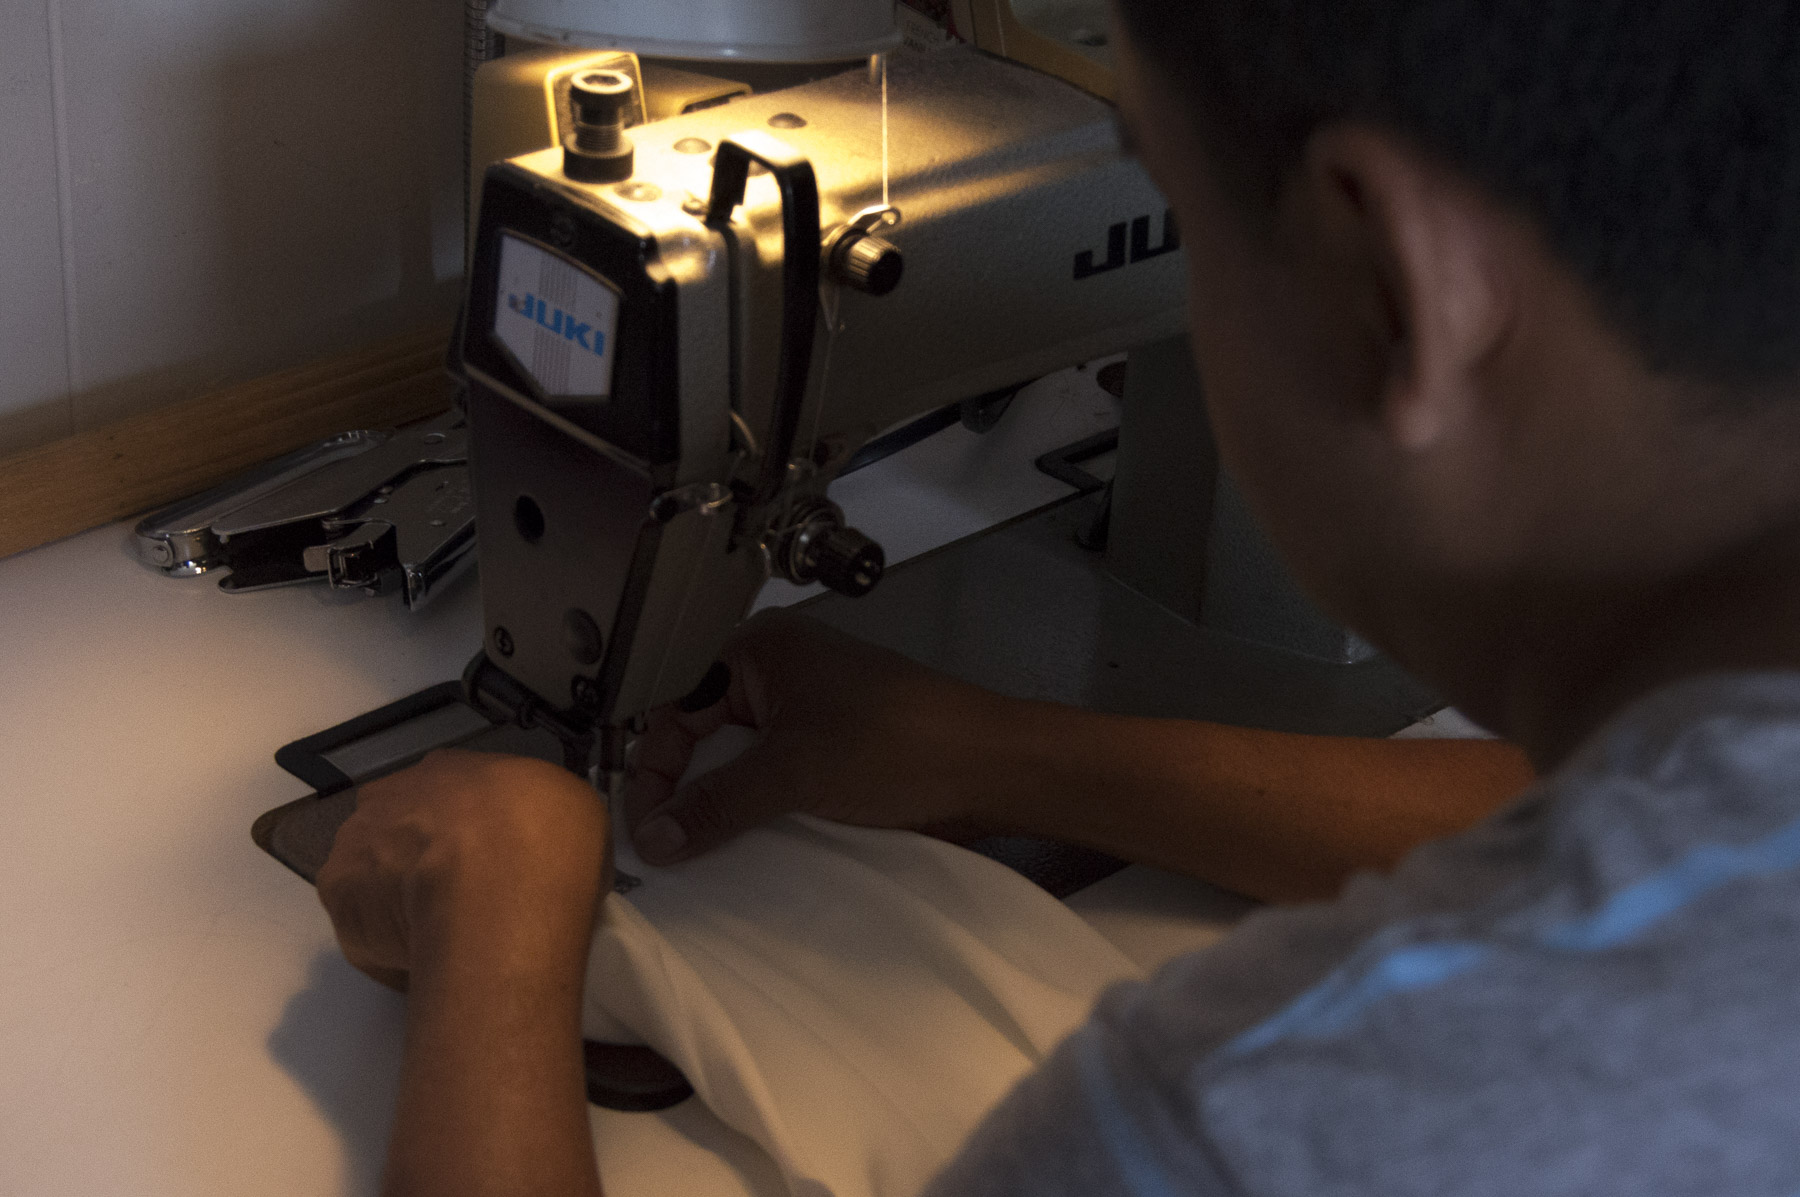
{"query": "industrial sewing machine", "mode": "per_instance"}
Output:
(679, 332)
(692, 300)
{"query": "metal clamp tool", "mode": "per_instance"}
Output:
(369, 511)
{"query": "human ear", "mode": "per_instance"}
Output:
(1421, 251)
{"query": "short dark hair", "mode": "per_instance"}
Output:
(1656, 143)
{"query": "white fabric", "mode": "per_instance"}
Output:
(852, 1000)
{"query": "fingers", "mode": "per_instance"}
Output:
(764, 666)
(663, 754)
(375, 969)
(717, 806)
(394, 978)
(352, 892)
(666, 748)
(713, 687)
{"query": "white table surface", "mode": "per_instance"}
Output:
(174, 1015)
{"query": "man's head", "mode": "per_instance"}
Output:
(1497, 304)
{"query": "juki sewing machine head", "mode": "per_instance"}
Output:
(677, 331)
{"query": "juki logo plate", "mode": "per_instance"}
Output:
(557, 319)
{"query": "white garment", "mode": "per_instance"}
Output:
(852, 1000)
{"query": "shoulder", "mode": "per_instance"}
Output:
(1661, 1063)
(1622, 1017)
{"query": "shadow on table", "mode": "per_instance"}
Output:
(340, 1038)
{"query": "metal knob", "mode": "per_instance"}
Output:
(596, 149)
(866, 262)
(846, 561)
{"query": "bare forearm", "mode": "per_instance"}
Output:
(491, 1096)
(1274, 816)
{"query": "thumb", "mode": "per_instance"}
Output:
(716, 806)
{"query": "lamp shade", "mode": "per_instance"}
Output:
(756, 30)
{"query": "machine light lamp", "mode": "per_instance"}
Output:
(753, 30)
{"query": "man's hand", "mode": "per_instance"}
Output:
(862, 735)
(465, 846)
(472, 881)
(850, 732)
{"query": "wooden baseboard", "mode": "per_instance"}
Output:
(136, 464)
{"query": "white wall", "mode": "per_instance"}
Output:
(196, 192)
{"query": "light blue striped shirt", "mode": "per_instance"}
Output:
(1596, 992)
